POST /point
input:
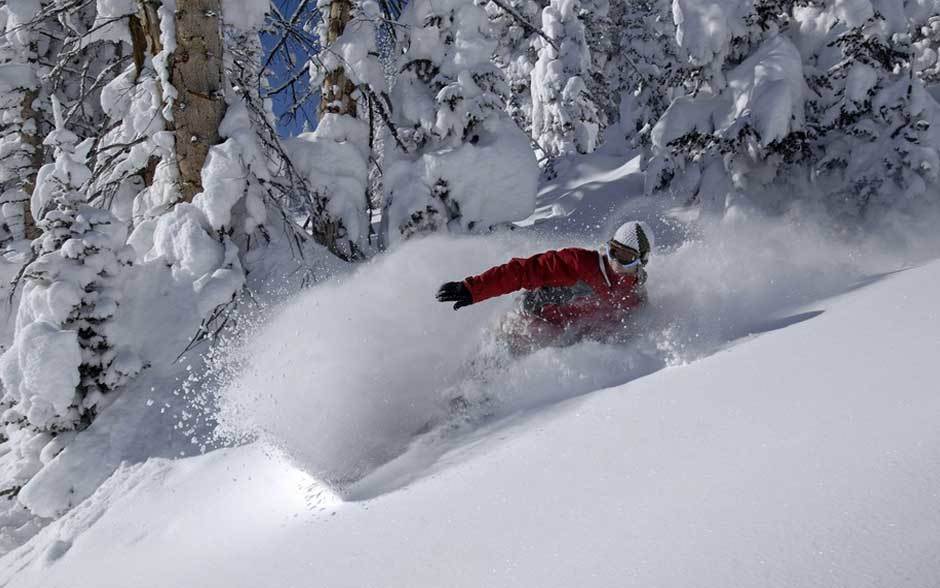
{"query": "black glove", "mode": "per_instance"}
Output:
(456, 292)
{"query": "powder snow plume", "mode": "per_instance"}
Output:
(344, 377)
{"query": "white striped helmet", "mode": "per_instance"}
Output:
(638, 236)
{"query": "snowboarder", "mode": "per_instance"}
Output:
(570, 292)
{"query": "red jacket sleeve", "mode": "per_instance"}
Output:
(564, 267)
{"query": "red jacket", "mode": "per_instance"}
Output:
(565, 286)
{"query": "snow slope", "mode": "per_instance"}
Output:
(347, 374)
(806, 455)
(768, 421)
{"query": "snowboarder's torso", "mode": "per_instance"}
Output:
(564, 287)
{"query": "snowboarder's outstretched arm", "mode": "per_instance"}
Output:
(455, 292)
(564, 267)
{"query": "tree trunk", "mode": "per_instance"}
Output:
(197, 76)
(336, 96)
(145, 40)
(30, 229)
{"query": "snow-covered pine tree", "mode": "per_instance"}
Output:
(134, 171)
(88, 52)
(449, 99)
(925, 30)
(871, 119)
(733, 98)
(135, 174)
(646, 72)
(602, 46)
(515, 25)
(21, 154)
(832, 97)
(635, 68)
(63, 365)
(72, 49)
(155, 109)
(565, 116)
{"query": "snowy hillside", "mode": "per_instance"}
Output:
(771, 422)
(804, 455)
(691, 245)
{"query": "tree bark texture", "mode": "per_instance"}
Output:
(197, 76)
(337, 92)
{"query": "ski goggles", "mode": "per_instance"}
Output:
(626, 257)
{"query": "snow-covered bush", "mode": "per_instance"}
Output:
(62, 364)
(467, 166)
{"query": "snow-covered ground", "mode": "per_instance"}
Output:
(771, 421)
(805, 456)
